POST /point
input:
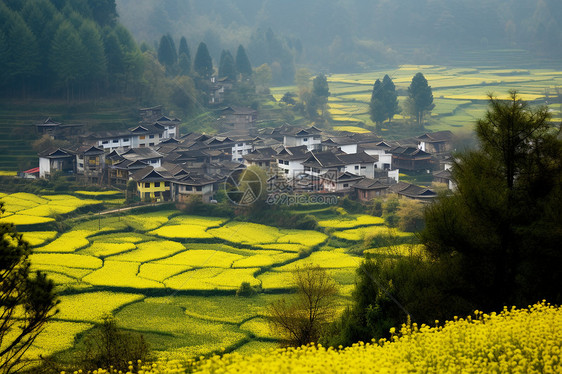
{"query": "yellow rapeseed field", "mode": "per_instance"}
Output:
(513, 341)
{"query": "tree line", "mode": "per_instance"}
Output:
(73, 49)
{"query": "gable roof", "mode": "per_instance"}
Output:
(56, 153)
(323, 160)
(409, 151)
(438, 136)
(374, 184)
(358, 158)
(412, 191)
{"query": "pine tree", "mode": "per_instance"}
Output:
(243, 65)
(377, 108)
(503, 223)
(95, 66)
(22, 50)
(420, 96)
(184, 48)
(390, 98)
(184, 57)
(226, 67)
(66, 56)
(165, 54)
(203, 64)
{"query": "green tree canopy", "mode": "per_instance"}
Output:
(94, 63)
(504, 220)
(390, 98)
(377, 108)
(203, 63)
(66, 55)
(227, 68)
(420, 96)
(243, 65)
(166, 52)
(184, 57)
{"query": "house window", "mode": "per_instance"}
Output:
(305, 139)
(80, 165)
(115, 140)
(151, 136)
(147, 185)
(105, 142)
(126, 140)
(346, 185)
(156, 184)
(188, 188)
(286, 171)
(286, 162)
(356, 167)
(166, 184)
(141, 137)
(150, 144)
(142, 145)
(199, 188)
(159, 136)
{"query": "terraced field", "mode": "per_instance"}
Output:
(18, 119)
(460, 94)
(173, 276)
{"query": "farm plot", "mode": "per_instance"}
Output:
(111, 264)
(453, 89)
(29, 209)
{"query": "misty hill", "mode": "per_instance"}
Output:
(354, 34)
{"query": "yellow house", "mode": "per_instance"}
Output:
(152, 184)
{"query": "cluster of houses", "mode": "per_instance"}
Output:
(168, 166)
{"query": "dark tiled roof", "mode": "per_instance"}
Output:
(413, 191)
(438, 136)
(358, 158)
(323, 159)
(374, 184)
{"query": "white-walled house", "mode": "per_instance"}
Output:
(310, 137)
(56, 159)
(290, 160)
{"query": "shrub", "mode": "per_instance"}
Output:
(247, 290)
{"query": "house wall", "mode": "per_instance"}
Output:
(292, 169)
(311, 142)
(44, 167)
(119, 142)
(385, 159)
(349, 148)
(241, 149)
(152, 189)
(366, 169)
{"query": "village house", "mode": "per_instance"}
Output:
(56, 160)
(436, 142)
(411, 158)
(168, 167)
(411, 191)
(368, 188)
(90, 163)
(310, 137)
(238, 118)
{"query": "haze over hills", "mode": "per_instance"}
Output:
(354, 34)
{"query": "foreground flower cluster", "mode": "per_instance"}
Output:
(515, 340)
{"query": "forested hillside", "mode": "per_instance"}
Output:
(354, 34)
(62, 48)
